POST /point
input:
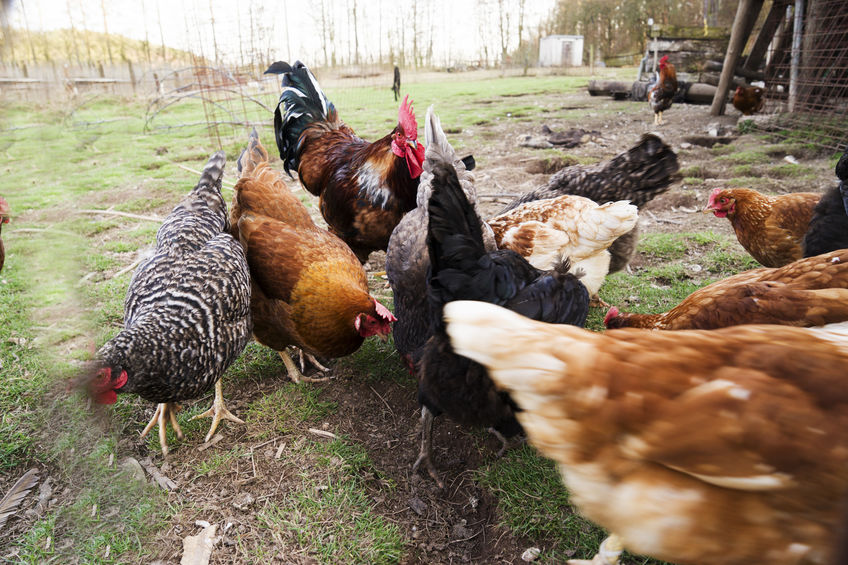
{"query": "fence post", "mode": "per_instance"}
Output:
(796, 54)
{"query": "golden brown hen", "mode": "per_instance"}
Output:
(309, 289)
(770, 228)
(726, 447)
(808, 292)
(748, 99)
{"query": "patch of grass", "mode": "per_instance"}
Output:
(788, 170)
(695, 171)
(217, 460)
(332, 515)
(670, 246)
(287, 409)
(379, 361)
(692, 180)
(744, 157)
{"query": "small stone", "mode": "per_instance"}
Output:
(243, 501)
(418, 506)
(133, 468)
(686, 145)
(530, 554)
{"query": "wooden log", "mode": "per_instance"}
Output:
(608, 87)
(746, 15)
(700, 93)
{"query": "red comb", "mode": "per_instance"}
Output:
(613, 312)
(406, 118)
(103, 389)
(663, 59)
(384, 312)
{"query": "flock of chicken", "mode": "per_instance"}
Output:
(717, 445)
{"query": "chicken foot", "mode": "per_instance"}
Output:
(305, 356)
(218, 411)
(294, 374)
(608, 554)
(425, 453)
(504, 442)
(164, 411)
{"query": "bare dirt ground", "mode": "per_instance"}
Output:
(460, 523)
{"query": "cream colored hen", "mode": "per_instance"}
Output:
(543, 231)
(725, 447)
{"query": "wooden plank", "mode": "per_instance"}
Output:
(746, 15)
(772, 21)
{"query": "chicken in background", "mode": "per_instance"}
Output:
(828, 229)
(407, 259)
(639, 174)
(4, 219)
(662, 89)
(748, 99)
(545, 231)
(365, 188)
(726, 447)
(807, 292)
(462, 269)
(308, 288)
(770, 228)
(186, 313)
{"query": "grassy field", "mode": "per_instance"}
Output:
(61, 297)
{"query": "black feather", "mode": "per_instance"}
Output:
(828, 229)
(469, 162)
(278, 68)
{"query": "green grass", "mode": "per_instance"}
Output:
(289, 408)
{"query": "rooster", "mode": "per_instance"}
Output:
(4, 219)
(186, 313)
(365, 188)
(462, 268)
(748, 99)
(828, 229)
(662, 89)
(770, 228)
(308, 288)
(726, 447)
(639, 174)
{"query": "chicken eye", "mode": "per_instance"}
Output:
(723, 200)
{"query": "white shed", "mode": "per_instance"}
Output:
(561, 51)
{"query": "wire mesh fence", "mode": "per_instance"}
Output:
(806, 74)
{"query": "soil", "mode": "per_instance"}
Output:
(460, 522)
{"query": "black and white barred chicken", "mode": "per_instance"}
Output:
(186, 313)
(639, 174)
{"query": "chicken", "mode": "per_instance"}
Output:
(662, 89)
(407, 259)
(828, 228)
(770, 228)
(726, 447)
(4, 219)
(308, 288)
(544, 231)
(462, 268)
(365, 188)
(748, 99)
(639, 174)
(807, 292)
(186, 312)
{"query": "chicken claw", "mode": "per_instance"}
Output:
(425, 453)
(294, 374)
(218, 411)
(164, 412)
(305, 356)
(608, 554)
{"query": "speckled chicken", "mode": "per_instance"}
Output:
(407, 260)
(639, 174)
(808, 292)
(186, 313)
(720, 447)
(545, 231)
(828, 229)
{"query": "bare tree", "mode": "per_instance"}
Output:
(355, 34)
(106, 31)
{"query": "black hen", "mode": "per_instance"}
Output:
(462, 269)
(186, 313)
(828, 229)
(639, 174)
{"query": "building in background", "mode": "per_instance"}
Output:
(561, 51)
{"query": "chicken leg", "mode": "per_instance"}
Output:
(425, 453)
(218, 411)
(294, 374)
(306, 356)
(164, 412)
(608, 554)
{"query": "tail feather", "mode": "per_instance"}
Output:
(302, 102)
(251, 156)
(213, 172)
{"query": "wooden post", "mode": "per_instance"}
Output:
(796, 54)
(770, 25)
(746, 13)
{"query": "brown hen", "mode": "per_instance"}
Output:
(309, 289)
(807, 292)
(720, 447)
(770, 228)
(748, 99)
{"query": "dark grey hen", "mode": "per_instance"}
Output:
(186, 312)
(828, 229)
(639, 174)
